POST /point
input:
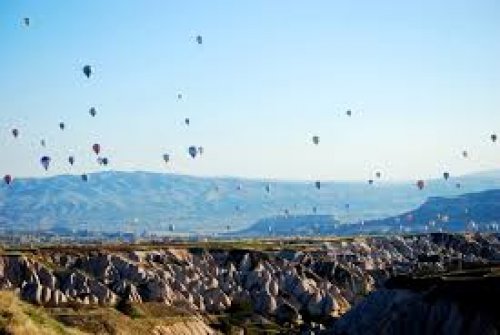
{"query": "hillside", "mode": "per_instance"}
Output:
(111, 201)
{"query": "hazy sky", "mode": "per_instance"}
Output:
(422, 79)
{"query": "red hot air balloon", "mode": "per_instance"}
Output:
(7, 179)
(420, 184)
(96, 148)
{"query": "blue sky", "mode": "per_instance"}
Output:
(422, 79)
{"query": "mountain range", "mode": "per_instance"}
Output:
(155, 202)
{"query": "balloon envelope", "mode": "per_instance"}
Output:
(45, 161)
(315, 140)
(96, 148)
(15, 132)
(317, 184)
(92, 112)
(199, 39)
(192, 150)
(71, 160)
(7, 179)
(85, 177)
(87, 71)
(446, 175)
(420, 184)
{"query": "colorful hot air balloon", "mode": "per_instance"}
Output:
(493, 137)
(87, 70)
(199, 39)
(315, 140)
(45, 161)
(420, 184)
(446, 175)
(192, 150)
(317, 184)
(96, 148)
(7, 179)
(71, 160)
(92, 111)
(15, 133)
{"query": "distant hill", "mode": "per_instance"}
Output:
(449, 214)
(111, 201)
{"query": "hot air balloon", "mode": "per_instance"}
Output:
(199, 39)
(85, 178)
(187, 121)
(102, 161)
(71, 160)
(493, 137)
(45, 161)
(192, 150)
(62, 125)
(446, 175)
(92, 111)
(7, 179)
(315, 140)
(201, 150)
(26, 21)
(166, 158)
(42, 143)
(317, 184)
(420, 184)
(179, 96)
(96, 148)
(378, 174)
(465, 154)
(15, 133)
(348, 112)
(268, 188)
(87, 70)
(370, 181)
